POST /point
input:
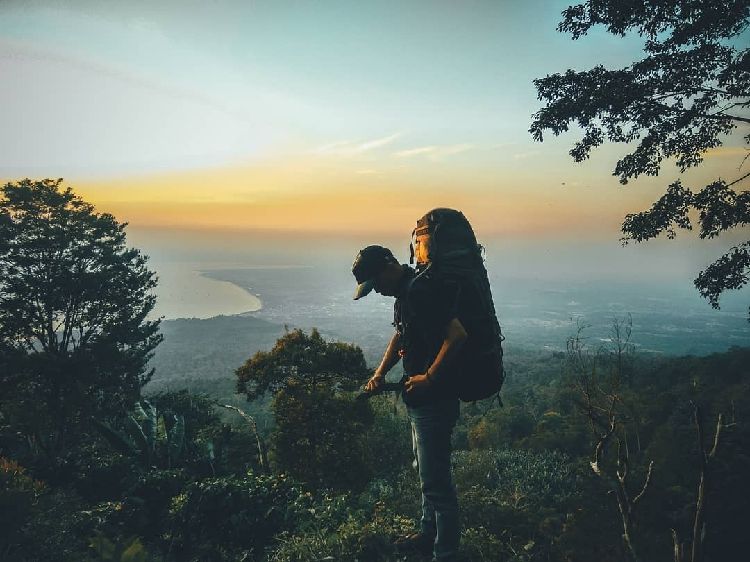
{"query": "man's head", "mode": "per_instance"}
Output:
(375, 267)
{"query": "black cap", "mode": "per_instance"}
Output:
(368, 264)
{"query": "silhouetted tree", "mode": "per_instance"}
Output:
(74, 339)
(690, 90)
(300, 357)
(319, 431)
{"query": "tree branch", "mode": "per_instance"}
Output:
(724, 116)
(262, 461)
(645, 484)
(742, 178)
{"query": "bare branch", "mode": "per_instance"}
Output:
(743, 177)
(699, 426)
(645, 483)
(717, 435)
(261, 450)
(599, 449)
(740, 167)
(623, 464)
(677, 546)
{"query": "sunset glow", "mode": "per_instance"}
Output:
(322, 119)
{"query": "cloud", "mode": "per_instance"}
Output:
(503, 145)
(524, 155)
(377, 143)
(416, 151)
(349, 148)
(434, 152)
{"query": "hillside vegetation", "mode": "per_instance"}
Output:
(181, 478)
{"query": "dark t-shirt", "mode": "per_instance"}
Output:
(424, 307)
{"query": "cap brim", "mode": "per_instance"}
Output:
(364, 289)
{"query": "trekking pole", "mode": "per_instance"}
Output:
(383, 387)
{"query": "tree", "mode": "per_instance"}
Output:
(602, 403)
(298, 357)
(74, 338)
(319, 433)
(690, 91)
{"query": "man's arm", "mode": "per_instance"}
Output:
(455, 336)
(390, 358)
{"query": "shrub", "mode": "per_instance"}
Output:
(18, 493)
(222, 519)
(519, 497)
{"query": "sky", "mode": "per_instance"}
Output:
(320, 117)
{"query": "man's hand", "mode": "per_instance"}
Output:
(417, 384)
(374, 383)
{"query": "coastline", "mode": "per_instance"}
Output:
(206, 274)
(188, 290)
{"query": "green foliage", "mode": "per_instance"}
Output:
(94, 471)
(319, 436)
(18, 494)
(345, 527)
(202, 355)
(220, 519)
(130, 550)
(689, 91)
(297, 356)
(319, 432)
(498, 427)
(522, 478)
(386, 443)
(154, 439)
(73, 307)
(513, 517)
(198, 411)
(527, 505)
(210, 445)
(519, 499)
(483, 546)
(42, 526)
(356, 538)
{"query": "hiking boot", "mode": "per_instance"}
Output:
(416, 542)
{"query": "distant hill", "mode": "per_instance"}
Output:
(202, 354)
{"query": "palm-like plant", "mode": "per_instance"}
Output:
(156, 439)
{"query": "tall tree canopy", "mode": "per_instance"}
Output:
(690, 91)
(299, 357)
(74, 338)
(319, 432)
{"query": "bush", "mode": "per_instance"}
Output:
(145, 508)
(345, 533)
(223, 519)
(522, 478)
(521, 498)
(319, 437)
(18, 494)
(96, 472)
(388, 443)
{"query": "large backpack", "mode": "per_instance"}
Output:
(455, 257)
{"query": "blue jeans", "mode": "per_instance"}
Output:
(431, 428)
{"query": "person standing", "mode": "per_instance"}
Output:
(428, 335)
